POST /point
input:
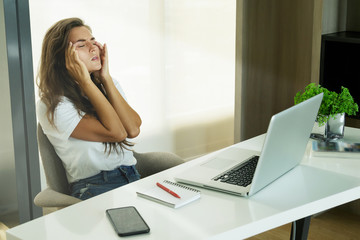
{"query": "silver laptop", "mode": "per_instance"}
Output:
(244, 172)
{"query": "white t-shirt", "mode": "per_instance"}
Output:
(80, 158)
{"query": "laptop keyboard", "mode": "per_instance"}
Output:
(241, 175)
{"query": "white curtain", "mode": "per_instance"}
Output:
(175, 60)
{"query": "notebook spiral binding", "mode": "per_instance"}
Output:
(182, 186)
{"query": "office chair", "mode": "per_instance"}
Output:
(57, 195)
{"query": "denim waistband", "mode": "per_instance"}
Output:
(105, 175)
(103, 182)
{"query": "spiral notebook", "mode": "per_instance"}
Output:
(159, 195)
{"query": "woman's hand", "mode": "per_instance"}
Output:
(77, 69)
(103, 74)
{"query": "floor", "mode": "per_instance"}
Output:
(338, 224)
(8, 221)
(335, 224)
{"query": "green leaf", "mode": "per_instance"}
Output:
(332, 103)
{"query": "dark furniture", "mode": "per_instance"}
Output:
(340, 63)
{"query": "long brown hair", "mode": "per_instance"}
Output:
(54, 80)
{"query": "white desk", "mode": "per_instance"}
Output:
(300, 193)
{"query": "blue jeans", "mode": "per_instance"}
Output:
(103, 182)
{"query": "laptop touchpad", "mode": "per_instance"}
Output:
(218, 163)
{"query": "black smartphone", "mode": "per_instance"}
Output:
(127, 221)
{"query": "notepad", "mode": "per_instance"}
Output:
(157, 194)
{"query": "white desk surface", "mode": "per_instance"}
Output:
(304, 191)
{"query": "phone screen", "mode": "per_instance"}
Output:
(127, 221)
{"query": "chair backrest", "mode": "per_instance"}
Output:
(53, 167)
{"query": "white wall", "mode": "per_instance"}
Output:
(8, 198)
(174, 59)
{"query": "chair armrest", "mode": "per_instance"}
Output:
(51, 198)
(153, 162)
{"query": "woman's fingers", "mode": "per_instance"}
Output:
(103, 73)
(74, 65)
(103, 50)
(67, 55)
(99, 45)
(70, 56)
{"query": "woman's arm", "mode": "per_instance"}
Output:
(108, 128)
(128, 116)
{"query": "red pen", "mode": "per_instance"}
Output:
(167, 190)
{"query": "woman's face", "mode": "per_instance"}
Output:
(86, 47)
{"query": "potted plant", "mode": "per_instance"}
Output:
(333, 108)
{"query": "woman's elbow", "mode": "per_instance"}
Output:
(119, 136)
(133, 133)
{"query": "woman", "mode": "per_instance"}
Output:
(83, 111)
